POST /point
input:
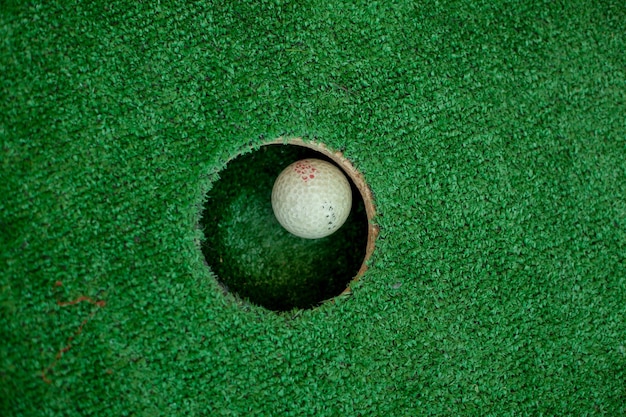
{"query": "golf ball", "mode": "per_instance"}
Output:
(311, 198)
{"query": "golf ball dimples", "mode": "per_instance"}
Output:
(311, 198)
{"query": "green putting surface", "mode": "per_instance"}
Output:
(492, 135)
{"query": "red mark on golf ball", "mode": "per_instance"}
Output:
(305, 169)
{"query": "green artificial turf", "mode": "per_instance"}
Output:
(492, 135)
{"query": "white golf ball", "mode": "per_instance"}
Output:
(311, 198)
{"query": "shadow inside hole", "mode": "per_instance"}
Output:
(255, 257)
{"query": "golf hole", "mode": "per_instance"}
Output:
(256, 259)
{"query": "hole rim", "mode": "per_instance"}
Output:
(357, 179)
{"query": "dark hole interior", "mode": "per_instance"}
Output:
(254, 257)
